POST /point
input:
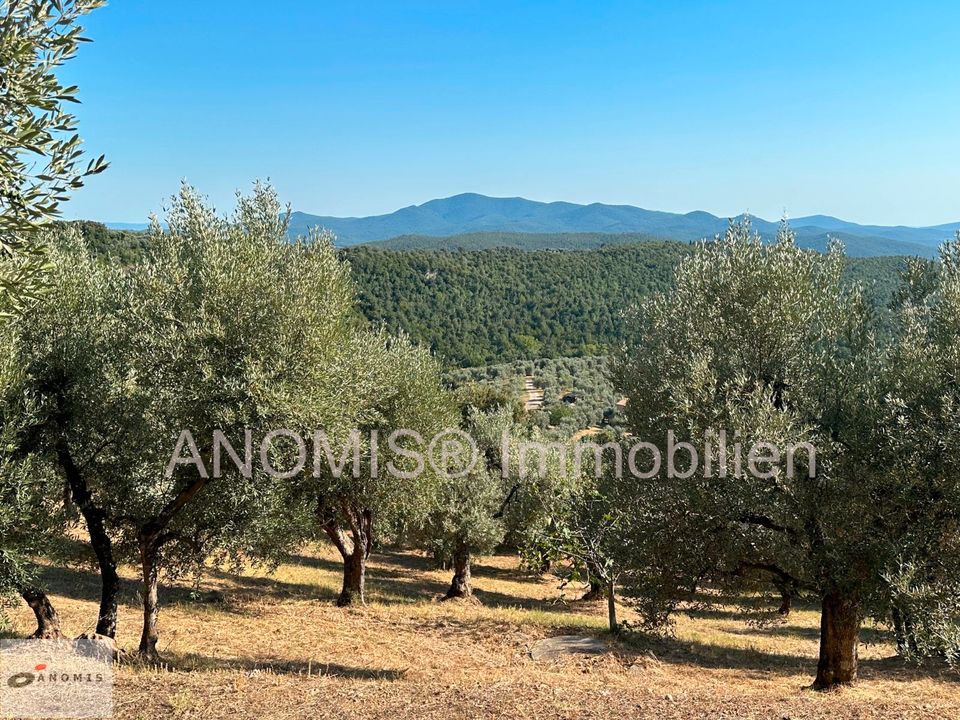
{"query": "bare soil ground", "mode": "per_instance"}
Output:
(274, 646)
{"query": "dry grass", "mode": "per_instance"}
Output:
(276, 647)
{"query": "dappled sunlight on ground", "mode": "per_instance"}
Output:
(273, 645)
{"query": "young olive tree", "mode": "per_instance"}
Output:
(398, 405)
(760, 347)
(464, 524)
(466, 519)
(40, 155)
(588, 531)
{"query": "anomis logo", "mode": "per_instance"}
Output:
(41, 674)
(56, 678)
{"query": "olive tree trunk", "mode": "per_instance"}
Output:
(354, 578)
(904, 631)
(48, 621)
(94, 518)
(612, 607)
(151, 608)
(786, 596)
(355, 551)
(597, 590)
(460, 585)
(839, 638)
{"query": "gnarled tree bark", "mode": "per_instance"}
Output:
(151, 607)
(355, 551)
(839, 639)
(95, 520)
(460, 585)
(48, 621)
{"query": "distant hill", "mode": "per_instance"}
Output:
(123, 246)
(132, 227)
(472, 214)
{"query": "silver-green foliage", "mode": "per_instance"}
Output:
(766, 343)
(923, 456)
(41, 161)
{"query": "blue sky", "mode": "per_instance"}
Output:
(849, 109)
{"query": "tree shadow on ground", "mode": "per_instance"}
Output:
(398, 577)
(84, 584)
(195, 662)
(868, 635)
(762, 663)
(249, 587)
(392, 578)
(508, 574)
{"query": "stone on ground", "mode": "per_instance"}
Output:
(554, 647)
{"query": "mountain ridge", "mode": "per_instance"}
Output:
(439, 222)
(471, 213)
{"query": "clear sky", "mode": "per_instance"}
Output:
(356, 108)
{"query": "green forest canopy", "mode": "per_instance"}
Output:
(502, 304)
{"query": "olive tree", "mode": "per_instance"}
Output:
(760, 347)
(230, 330)
(466, 519)
(922, 453)
(142, 379)
(398, 405)
(587, 532)
(41, 161)
(61, 409)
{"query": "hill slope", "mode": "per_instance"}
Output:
(499, 305)
(855, 246)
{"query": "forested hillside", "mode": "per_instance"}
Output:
(121, 246)
(477, 308)
(493, 304)
(501, 305)
(518, 240)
